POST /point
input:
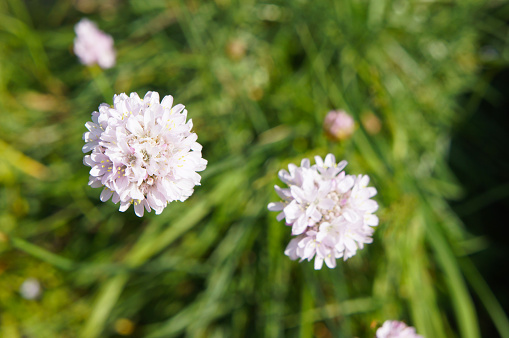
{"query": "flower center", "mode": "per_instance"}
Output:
(336, 210)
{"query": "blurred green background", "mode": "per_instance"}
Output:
(426, 82)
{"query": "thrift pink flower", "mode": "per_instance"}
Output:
(395, 329)
(143, 152)
(92, 45)
(30, 289)
(331, 213)
(338, 125)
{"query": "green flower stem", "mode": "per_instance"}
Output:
(101, 82)
(307, 304)
(106, 299)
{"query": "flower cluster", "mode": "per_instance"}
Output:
(143, 152)
(331, 213)
(92, 45)
(395, 329)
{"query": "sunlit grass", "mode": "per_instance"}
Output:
(257, 80)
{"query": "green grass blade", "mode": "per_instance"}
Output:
(487, 297)
(42, 254)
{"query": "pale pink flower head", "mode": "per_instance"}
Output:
(395, 329)
(92, 45)
(338, 125)
(331, 213)
(30, 289)
(143, 152)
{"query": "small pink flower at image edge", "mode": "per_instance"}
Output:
(396, 329)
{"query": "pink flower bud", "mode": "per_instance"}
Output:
(338, 125)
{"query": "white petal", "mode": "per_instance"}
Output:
(280, 216)
(139, 208)
(350, 216)
(275, 206)
(318, 263)
(371, 220)
(151, 98)
(124, 206)
(299, 226)
(134, 126)
(319, 161)
(341, 165)
(330, 261)
(298, 194)
(346, 184)
(330, 160)
(116, 198)
(371, 191)
(283, 193)
(293, 210)
(291, 249)
(177, 109)
(310, 250)
(305, 163)
(94, 182)
(88, 147)
(167, 101)
(106, 194)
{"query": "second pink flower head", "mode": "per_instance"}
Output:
(92, 45)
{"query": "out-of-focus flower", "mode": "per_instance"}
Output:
(338, 125)
(395, 329)
(371, 123)
(30, 289)
(92, 45)
(236, 49)
(331, 213)
(143, 152)
(124, 326)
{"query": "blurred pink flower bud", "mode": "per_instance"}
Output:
(338, 125)
(92, 45)
(371, 123)
(30, 289)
